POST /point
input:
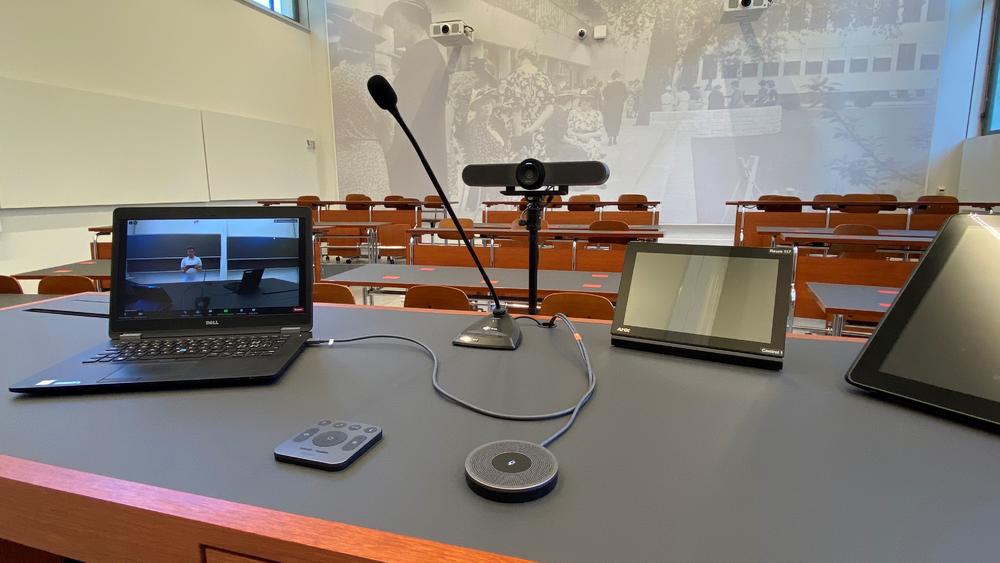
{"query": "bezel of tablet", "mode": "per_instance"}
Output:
(865, 372)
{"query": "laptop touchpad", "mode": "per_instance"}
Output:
(163, 371)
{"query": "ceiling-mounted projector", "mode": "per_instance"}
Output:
(454, 33)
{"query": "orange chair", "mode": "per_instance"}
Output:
(357, 206)
(437, 297)
(310, 201)
(937, 204)
(583, 202)
(784, 204)
(828, 198)
(393, 241)
(855, 250)
(632, 202)
(888, 198)
(433, 202)
(65, 285)
(607, 225)
(546, 202)
(578, 305)
(400, 202)
(861, 208)
(9, 285)
(449, 224)
(326, 292)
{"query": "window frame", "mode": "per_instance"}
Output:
(990, 100)
(301, 20)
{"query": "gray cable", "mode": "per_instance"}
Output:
(572, 412)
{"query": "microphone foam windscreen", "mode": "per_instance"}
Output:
(381, 91)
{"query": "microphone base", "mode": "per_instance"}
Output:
(492, 332)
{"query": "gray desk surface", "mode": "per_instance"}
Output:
(12, 300)
(504, 279)
(673, 460)
(772, 230)
(836, 297)
(95, 269)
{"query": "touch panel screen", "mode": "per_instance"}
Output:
(716, 296)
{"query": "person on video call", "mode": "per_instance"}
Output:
(190, 264)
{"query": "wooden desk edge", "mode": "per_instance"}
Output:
(92, 517)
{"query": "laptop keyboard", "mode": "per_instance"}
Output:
(191, 348)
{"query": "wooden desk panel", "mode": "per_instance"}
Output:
(94, 518)
(577, 217)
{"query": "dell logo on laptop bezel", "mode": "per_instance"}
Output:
(212, 323)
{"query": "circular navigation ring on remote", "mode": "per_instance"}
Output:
(328, 439)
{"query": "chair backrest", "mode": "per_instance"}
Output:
(437, 297)
(357, 197)
(10, 285)
(861, 208)
(393, 239)
(309, 201)
(855, 250)
(632, 202)
(607, 225)
(523, 240)
(433, 202)
(784, 203)
(449, 224)
(826, 198)
(583, 202)
(65, 285)
(326, 292)
(579, 305)
(888, 198)
(937, 204)
(403, 202)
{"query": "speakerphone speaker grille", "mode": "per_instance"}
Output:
(479, 465)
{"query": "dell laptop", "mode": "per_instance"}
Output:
(173, 319)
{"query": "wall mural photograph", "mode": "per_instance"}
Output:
(686, 104)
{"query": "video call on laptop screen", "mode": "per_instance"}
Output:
(715, 296)
(177, 268)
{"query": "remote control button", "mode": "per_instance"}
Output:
(354, 443)
(354, 427)
(371, 430)
(305, 435)
(324, 422)
(339, 424)
(327, 439)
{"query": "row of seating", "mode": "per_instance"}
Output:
(588, 202)
(51, 285)
(937, 204)
(582, 202)
(578, 305)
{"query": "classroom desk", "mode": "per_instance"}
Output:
(858, 302)
(10, 300)
(573, 236)
(509, 282)
(573, 227)
(906, 243)
(98, 270)
(775, 231)
(674, 459)
(371, 233)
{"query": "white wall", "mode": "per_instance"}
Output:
(213, 55)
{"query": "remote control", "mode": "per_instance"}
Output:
(329, 444)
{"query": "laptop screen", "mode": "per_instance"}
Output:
(210, 268)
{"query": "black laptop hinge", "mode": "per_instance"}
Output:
(291, 330)
(131, 336)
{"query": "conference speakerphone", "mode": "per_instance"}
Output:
(721, 303)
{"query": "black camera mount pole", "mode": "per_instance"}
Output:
(533, 222)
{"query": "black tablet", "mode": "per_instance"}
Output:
(715, 302)
(938, 344)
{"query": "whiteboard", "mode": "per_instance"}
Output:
(65, 147)
(255, 159)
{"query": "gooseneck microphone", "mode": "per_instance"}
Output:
(499, 331)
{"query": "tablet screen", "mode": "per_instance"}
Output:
(950, 338)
